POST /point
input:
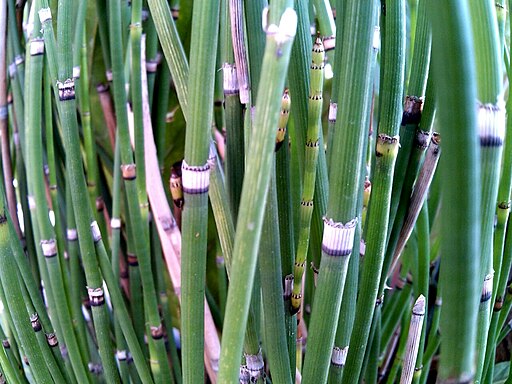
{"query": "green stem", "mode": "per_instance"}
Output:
(256, 181)
(454, 72)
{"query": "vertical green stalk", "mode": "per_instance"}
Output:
(256, 182)
(4, 129)
(195, 176)
(172, 48)
(310, 167)
(36, 187)
(9, 277)
(235, 158)
(348, 153)
(238, 39)
(491, 131)
(386, 151)
(299, 80)
(454, 73)
(413, 340)
(65, 95)
(271, 278)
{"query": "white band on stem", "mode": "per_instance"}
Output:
(195, 179)
(109, 75)
(230, 79)
(339, 356)
(36, 47)
(49, 248)
(66, 89)
(487, 288)
(287, 26)
(96, 296)
(288, 286)
(329, 43)
(18, 60)
(376, 38)
(45, 14)
(491, 124)
(121, 355)
(115, 223)
(76, 72)
(95, 230)
(12, 70)
(151, 66)
(333, 110)
(338, 239)
(72, 234)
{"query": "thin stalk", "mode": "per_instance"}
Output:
(55, 282)
(325, 19)
(76, 291)
(235, 162)
(299, 83)
(491, 131)
(370, 366)
(418, 196)
(65, 94)
(4, 129)
(173, 49)
(90, 147)
(10, 283)
(398, 360)
(154, 329)
(195, 176)
(238, 39)
(286, 229)
(255, 42)
(453, 69)
(386, 151)
(413, 340)
(502, 260)
(341, 216)
(422, 278)
(272, 292)
(310, 167)
(256, 181)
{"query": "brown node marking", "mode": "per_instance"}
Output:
(36, 324)
(413, 106)
(175, 13)
(100, 204)
(51, 339)
(132, 259)
(102, 88)
(6, 344)
(498, 305)
(504, 205)
(157, 332)
(129, 171)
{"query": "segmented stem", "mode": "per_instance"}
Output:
(311, 156)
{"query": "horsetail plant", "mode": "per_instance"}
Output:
(277, 53)
(311, 155)
(103, 281)
(386, 150)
